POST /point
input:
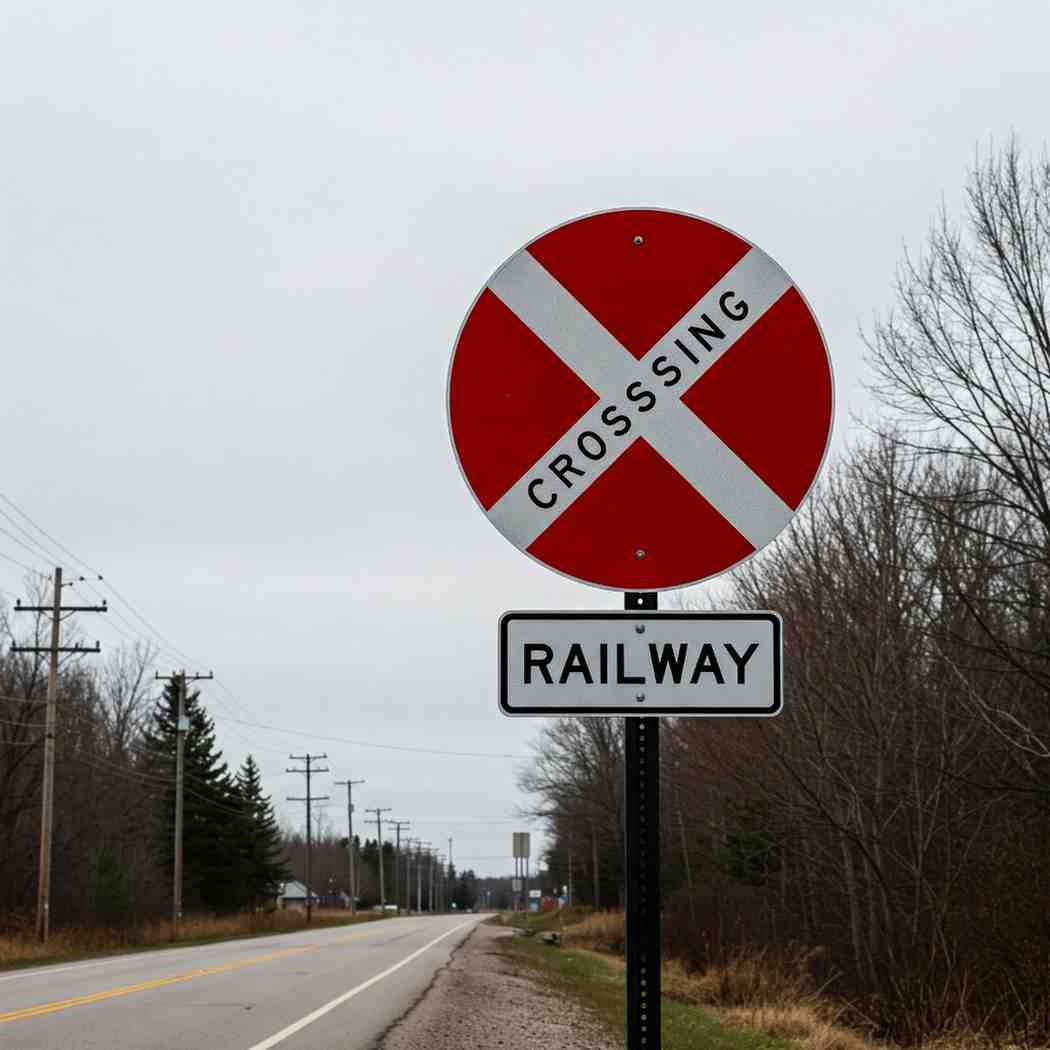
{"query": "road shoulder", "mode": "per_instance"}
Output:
(483, 999)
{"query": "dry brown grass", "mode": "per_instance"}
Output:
(771, 992)
(21, 948)
(601, 931)
(760, 990)
(801, 1026)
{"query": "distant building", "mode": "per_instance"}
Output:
(293, 895)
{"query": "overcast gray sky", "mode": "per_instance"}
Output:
(238, 240)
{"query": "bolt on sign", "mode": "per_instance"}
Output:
(640, 399)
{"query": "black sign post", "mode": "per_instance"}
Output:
(642, 867)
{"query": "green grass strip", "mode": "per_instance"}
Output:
(599, 985)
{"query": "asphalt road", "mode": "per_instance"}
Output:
(333, 989)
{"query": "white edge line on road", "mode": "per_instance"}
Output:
(299, 1025)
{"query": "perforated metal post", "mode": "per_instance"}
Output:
(642, 867)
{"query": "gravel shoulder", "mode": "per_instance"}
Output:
(482, 1000)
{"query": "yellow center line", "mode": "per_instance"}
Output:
(145, 986)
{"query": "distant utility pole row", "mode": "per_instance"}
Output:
(434, 887)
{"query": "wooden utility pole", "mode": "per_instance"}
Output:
(594, 865)
(379, 836)
(309, 771)
(419, 877)
(47, 803)
(398, 824)
(570, 887)
(182, 726)
(430, 881)
(350, 841)
(685, 855)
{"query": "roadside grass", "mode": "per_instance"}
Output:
(21, 949)
(598, 983)
(755, 999)
(542, 922)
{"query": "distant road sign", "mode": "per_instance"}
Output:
(636, 663)
(640, 399)
(535, 895)
(521, 845)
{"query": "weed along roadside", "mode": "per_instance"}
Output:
(755, 1001)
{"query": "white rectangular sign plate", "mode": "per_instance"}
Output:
(703, 664)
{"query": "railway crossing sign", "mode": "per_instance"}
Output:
(640, 399)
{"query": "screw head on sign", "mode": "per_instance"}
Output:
(640, 553)
(640, 697)
(639, 628)
(639, 240)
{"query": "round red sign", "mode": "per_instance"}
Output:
(640, 399)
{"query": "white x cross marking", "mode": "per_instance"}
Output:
(608, 368)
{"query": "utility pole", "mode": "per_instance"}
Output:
(594, 865)
(350, 841)
(570, 871)
(398, 824)
(685, 854)
(419, 877)
(408, 874)
(309, 771)
(430, 881)
(182, 725)
(47, 805)
(379, 835)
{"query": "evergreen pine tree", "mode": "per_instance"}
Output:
(214, 831)
(265, 868)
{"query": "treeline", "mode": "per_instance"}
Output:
(114, 807)
(114, 798)
(894, 820)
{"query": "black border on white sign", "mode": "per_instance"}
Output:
(654, 710)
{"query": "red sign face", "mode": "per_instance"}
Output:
(640, 399)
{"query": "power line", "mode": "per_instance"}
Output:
(48, 555)
(369, 743)
(11, 536)
(22, 565)
(166, 646)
